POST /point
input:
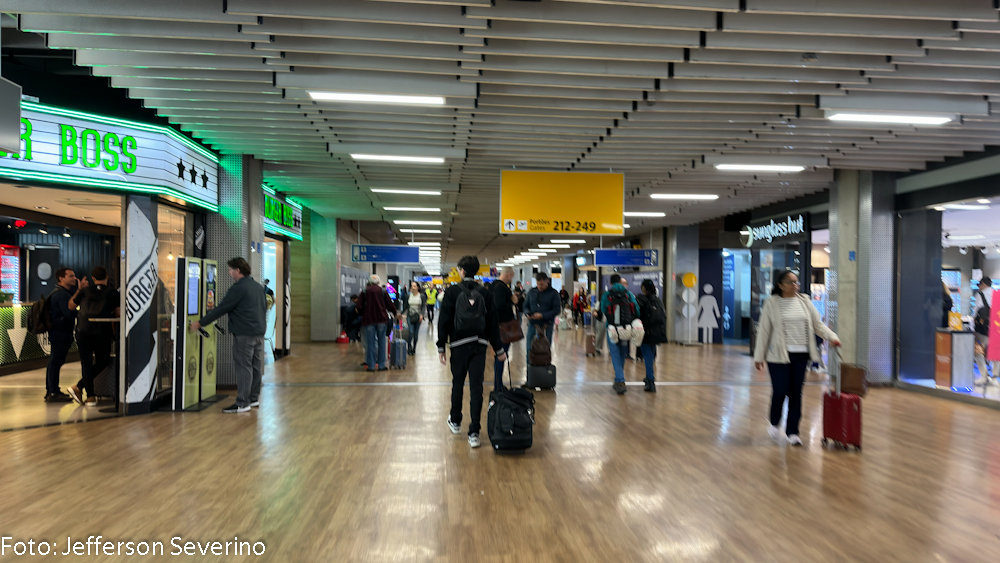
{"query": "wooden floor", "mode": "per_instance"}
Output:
(342, 465)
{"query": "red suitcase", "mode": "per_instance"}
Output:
(841, 418)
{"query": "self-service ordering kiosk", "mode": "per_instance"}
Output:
(194, 352)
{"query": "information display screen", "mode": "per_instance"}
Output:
(193, 288)
(210, 286)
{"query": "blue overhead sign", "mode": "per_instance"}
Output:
(386, 253)
(626, 257)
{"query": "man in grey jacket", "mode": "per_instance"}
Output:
(246, 305)
(542, 307)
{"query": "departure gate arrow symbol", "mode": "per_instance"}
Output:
(18, 333)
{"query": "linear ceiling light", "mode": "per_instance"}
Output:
(627, 226)
(568, 241)
(889, 118)
(966, 237)
(961, 207)
(759, 167)
(542, 250)
(684, 196)
(421, 231)
(424, 243)
(409, 222)
(406, 192)
(553, 246)
(399, 158)
(428, 209)
(645, 214)
(376, 98)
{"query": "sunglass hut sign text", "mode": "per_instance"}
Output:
(774, 230)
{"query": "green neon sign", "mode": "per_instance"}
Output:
(279, 212)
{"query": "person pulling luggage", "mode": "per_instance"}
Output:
(542, 306)
(789, 323)
(467, 324)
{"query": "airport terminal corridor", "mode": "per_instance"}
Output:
(339, 464)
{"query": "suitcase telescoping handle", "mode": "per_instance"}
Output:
(836, 350)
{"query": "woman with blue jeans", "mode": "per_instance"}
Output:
(654, 321)
(617, 350)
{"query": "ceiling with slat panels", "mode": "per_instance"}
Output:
(649, 88)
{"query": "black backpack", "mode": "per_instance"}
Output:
(982, 320)
(470, 312)
(618, 302)
(40, 317)
(657, 315)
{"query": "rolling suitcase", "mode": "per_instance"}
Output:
(397, 352)
(591, 342)
(509, 417)
(841, 418)
(542, 377)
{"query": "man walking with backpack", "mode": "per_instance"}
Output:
(62, 312)
(468, 320)
(619, 308)
(95, 339)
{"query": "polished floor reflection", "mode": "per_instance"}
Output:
(342, 465)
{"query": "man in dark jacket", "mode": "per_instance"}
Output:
(542, 307)
(505, 302)
(94, 340)
(376, 309)
(63, 303)
(245, 304)
(469, 321)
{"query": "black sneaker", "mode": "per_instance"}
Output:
(59, 397)
(650, 386)
(234, 408)
(619, 387)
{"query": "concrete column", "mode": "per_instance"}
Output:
(234, 231)
(682, 257)
(842, 283)
(325, 278)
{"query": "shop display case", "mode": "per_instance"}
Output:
(10, 274)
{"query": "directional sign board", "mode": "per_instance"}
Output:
(561, 203)
(626, 257)
(386, 253)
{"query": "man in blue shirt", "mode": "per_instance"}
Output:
(63, 305)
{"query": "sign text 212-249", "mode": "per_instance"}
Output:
(574, 226)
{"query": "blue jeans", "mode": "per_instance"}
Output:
(375, 342)
(498, 368)
(530, 337)
(648, 358)
(618, 353)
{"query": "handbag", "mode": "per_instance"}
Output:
(413, 319)
(510, 331)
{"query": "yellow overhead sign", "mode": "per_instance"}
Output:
(557, 203)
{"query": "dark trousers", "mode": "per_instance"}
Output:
(786, 381)
(95, 355)
(60, 343)
(430, 313)
(411, 339)
(468, 359)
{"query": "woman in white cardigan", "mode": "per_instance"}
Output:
(786, 340)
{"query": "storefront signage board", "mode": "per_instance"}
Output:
(386, 253)
(559, 203)
(282, 218)
(77, 148)
(791, 228)
(625, 257)
(993, 352)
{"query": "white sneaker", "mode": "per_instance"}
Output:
(775, 433)
(455, 428)
(474, 440)
(254, 404)
(794, 440)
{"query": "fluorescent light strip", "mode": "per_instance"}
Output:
(645, 214)
(419, 209)
(967, 237)
(421, 231)
(376, 98)
(267, 189)
(553, 246)
(627, 226)
(890, 118)
(685, 196)
(405, 192)
(278, 230)
(961, 207)
(52, 110)
(409, 222)
(17, 174)
(399, 158)
(567, 241)
(424, 243)
(294, 203)
(760, 167)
